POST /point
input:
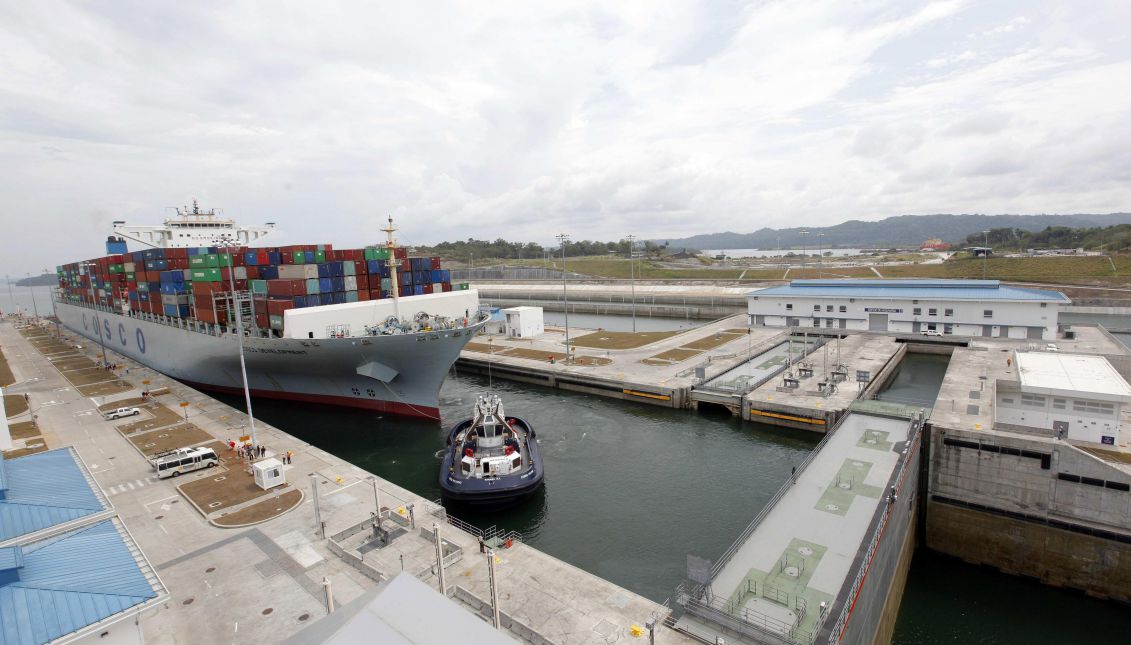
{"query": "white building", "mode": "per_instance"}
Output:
(961, 307)
(1072, 395)
(524, 322)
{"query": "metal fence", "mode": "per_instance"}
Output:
(492, 535)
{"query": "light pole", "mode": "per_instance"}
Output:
(820, 253)
(239, 339)
(985, 251)
(563, 238)
(632, 277)
(53, 313)
(804, 247)
(34, 308)
(8, 279)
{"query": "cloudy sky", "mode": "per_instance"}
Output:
(523, 119)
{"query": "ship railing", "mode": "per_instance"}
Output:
(736, 615)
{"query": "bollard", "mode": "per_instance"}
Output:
(440, 559)
(317, 511)
(329, 595)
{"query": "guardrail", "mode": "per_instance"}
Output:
(491, 535)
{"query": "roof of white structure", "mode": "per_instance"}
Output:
(1071, 374)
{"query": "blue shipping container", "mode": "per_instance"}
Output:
(172, 276)
(308, 257)
(324, 270)
(373, 266)
(339, 284)
(325, 285)
(418, 290)
(326, 298)
(274, 257)
(249, 258)
(339, 297)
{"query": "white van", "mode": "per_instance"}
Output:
(185, 460)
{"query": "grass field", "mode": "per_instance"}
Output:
(6, 377)
(621, 339)
(261, 511)
(14, 404)
(1097, 270)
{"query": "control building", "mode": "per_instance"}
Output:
(961, 307)
(1069, 396)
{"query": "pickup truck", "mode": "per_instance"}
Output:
(121, 412)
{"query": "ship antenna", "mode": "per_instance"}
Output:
(391, 244)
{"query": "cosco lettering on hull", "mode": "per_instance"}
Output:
(102, 330)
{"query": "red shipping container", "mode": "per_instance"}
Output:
(206, 315)
(363, 282)
(377, 294)
(286, 287)
(116, 259)
(447, 286)
(176, 254)
(435, 263)
(400, 253)
(261, 321)
(204, 288)
(262, 258)
(360, 267)
(178, 264)
(427, 288)
(277, 307)
(362, 295)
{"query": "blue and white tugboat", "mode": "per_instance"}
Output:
(492, 459)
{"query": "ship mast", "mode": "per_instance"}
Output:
(391, 244)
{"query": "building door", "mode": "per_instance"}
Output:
(1004, 332)
(916, 327)
(760, 321)
(987, 331)
(1035, 333)
(843, 323)
(877, 322)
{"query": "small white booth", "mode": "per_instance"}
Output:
(524, 322)
(269, 473)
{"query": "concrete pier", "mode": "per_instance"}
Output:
(262, 583)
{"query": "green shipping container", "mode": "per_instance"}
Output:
(351, 296)
(117, 268)
(259, 286)
(276, 322)
(143, 287)
(386, 284)
(205, 275)
(131, 276)
(463, 286)
(312, 286)
(297, 257)
(319, 257)
(348, 268)
(376, 253)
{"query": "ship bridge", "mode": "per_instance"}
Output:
(193, 227)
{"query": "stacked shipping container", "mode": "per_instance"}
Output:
(182, 282)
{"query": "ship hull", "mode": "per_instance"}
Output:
(396, 374)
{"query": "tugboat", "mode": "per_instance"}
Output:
(492, 459)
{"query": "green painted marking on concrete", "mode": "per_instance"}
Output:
(772, 363)
(846, 486)
(787, 586)
(875, 440)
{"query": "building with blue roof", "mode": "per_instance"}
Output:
(69, 569)
(960, 307)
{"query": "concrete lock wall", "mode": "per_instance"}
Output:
(1042, 509)
(1062, 558)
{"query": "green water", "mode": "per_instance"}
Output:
(632, 489)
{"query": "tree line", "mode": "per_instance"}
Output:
(502, 249)
(1107, 238)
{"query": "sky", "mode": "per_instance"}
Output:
(522, 120)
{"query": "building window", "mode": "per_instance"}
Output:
(948, 312)
(829, 308)
(1044, 304)
(816, 307)
(1032, 401)
(1007, 400)
(789, 306)
(914, 302)
(1093, 407)
(829, 322)
(987, 313)
(917, 311)
(932, 312)
(843, 309)
(816, 322)
(1059, 404)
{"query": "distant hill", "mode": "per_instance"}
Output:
(902, 230)
(45, 280)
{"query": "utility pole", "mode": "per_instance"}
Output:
(820, 253)
(985, 251)
(632, 276)
(8, 279)
(804, 247)
(563, 238)
(34, 309)
(53, 312)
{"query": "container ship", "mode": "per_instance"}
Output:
(367, 328)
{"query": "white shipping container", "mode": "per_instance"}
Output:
(297, 271)
(312, 322)
(351, 282)
(241, 273)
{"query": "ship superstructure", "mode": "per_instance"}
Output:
(370, 328)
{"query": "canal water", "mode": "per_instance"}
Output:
(630, 490)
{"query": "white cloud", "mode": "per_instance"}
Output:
(519, 120)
